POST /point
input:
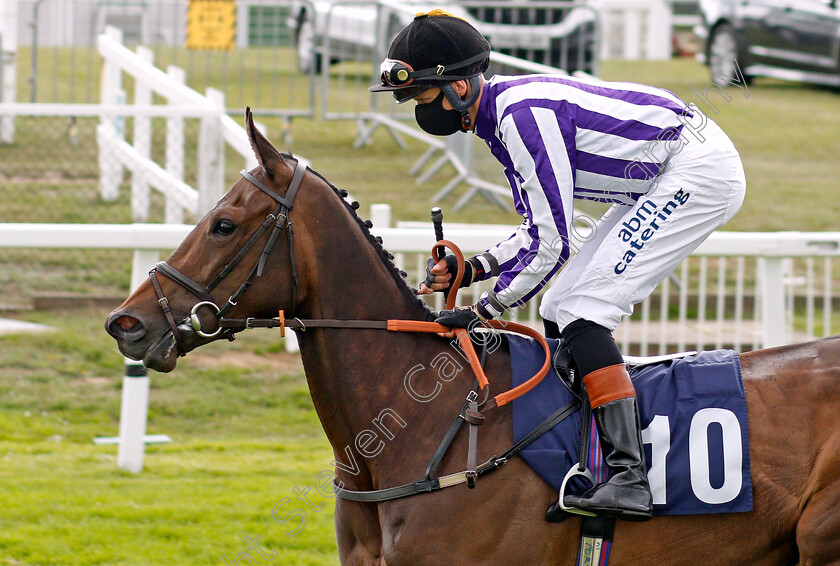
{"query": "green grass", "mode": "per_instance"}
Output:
(244, 439)
(245, 433)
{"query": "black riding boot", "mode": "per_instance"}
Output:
(609, 388)
(626, 494)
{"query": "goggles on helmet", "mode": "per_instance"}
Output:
(405, 83)
(396, 73)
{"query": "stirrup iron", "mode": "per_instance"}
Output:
(576, 471)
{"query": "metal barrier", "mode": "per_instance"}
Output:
(56, 50)
(742, 290)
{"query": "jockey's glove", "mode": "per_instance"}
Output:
(452, 268)
(463, 317)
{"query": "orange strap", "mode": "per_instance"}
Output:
(461, 333)
(455, 284)
(467, 346)
(608, 384)
(523, 388)
(464, 338)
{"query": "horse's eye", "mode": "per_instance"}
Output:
(224, 227)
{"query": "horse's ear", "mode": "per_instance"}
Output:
(268, 156)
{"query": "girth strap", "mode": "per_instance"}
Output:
(475, 419)
(431, 469)
(535, 433)
(596, 541)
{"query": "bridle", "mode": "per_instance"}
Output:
(279, 217)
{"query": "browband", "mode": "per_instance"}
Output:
(290, 194)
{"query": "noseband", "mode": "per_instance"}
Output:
(279, 217)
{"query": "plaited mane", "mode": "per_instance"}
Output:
(424, 312)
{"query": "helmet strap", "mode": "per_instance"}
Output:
(463, 105)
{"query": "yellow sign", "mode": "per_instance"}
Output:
(211, 24)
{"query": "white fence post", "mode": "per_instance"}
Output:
(110, 168)
(211, 155)
(140, 191)
(135, 389)
(644, 28)
(660, 30)
(380, 215)
(8, 64)
(174, 213)
(773, 324)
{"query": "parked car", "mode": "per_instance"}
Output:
(796, 40)
(553, 33)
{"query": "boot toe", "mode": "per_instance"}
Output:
(555, 514)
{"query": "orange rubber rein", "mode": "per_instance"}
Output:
(461, 333)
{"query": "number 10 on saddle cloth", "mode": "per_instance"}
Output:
(694, 427)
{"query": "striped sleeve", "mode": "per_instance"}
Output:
(541, 145)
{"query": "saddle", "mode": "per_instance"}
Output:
(693, 420)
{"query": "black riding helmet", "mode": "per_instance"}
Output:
(435, 49)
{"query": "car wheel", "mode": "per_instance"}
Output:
(308, 59)
(724, 53)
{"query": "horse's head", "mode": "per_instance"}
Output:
(238, 261)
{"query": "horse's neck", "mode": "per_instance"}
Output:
(353, 374)
(346, 277)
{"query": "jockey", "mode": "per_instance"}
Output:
(671, 174)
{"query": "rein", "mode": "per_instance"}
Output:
(396, 325)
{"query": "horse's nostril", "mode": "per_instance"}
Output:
(127, 322)
(123, 326)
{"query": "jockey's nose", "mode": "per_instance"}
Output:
(123, 326)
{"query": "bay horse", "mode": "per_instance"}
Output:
(332, 268)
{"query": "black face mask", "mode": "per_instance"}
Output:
(434, 119)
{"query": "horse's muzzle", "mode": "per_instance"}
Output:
(129, 332)
(136, 342)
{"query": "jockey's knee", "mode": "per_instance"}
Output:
(592, 346)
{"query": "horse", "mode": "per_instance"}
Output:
(327, 266)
